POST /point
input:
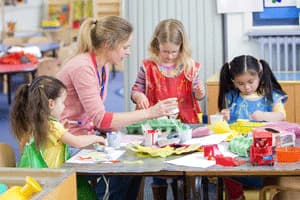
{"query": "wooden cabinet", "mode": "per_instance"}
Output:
(291, 87)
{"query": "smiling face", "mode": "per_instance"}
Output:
(168, 53)
(57, 106)
(247, 83)
(117, 54)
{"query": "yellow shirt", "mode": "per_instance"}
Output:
(54, 149)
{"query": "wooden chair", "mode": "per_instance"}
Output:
(38, 40)
(48, 66)
(11, 41)
(7, 156)
(65, 52)
(286, 188)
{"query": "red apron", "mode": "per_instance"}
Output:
(159, 87)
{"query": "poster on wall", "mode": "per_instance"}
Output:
(280, 3)
(231, 6)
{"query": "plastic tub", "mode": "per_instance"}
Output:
(288, 154)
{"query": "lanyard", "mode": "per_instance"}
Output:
(103, 74)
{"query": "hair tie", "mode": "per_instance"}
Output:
(229, 66)
(259, 65)
(94, 23)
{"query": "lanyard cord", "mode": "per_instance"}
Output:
(103, 74)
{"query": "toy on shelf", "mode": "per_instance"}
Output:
(50, 24)
(22, 193)
(261, 152)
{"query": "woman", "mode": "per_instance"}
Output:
(102, 42)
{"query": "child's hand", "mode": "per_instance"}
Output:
(141, 101)
(199, 90)
(66, 124)
(226, 114)
(257, 115)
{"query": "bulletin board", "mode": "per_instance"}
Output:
(283, 13)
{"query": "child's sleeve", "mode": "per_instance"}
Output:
(140, 82)
(57, 130)
(279, 105)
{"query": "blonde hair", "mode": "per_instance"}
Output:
(172, 31)
(108, 30)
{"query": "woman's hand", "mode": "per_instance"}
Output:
(162, 108)
(100, 140)
(199, 90)
(226, 114)
(141, 100)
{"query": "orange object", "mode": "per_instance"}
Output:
(288, 154)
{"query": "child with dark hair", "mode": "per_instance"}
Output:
(35, 113)
(249, 90)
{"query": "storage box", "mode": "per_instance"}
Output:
(280, 137)
(58, 184)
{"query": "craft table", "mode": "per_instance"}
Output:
(157, 167)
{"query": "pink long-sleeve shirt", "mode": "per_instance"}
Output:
(83, 102)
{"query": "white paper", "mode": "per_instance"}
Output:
(193, 160)
(85, 153)
(230, 6)
(298, 3)
(210, 139)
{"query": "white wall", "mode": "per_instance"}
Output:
(237, 25)
(27, 16)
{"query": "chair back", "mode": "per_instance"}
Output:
(7, 156)
(38, 40)
(48, 66)
(65, 52)
(11, 41)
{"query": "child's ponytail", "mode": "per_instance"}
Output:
(268, 81)
(225, 85)
(39, 112)
(19, 121)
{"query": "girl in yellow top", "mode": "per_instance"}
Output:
(34, 114)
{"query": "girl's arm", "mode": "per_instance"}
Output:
(278, 114)
(199, 91)
(81, 140)
(268, 116)
(138, 90)
(165, 107)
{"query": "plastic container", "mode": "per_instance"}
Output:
(288, 154)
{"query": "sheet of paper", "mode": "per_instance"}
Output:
(198, 159)
(93, 156)
(193, 160)
(210, 139)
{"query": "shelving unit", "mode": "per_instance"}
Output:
(107, 7)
